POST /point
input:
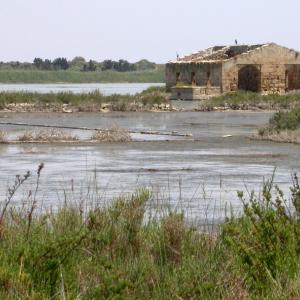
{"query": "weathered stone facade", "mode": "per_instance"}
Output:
(267, 68)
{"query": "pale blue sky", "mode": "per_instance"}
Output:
(136, 29)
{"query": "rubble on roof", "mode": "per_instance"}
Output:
(217, 53)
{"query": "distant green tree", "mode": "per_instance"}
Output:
(38, 62)
(77, 63)
(120, 66)
(145, 64)
(92, 66)
(60, 63)
(107, 65)
(47, 64)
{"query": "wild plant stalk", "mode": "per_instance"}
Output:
(19, 181)
(34, 202)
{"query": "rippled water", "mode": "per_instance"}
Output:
(200, 176)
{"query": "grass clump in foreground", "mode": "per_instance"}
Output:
(114, 134)
(284, 126)
(252, 101)
(113, 253)
(48, 135)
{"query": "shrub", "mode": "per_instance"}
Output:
(266, 239)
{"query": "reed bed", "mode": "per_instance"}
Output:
(114, 253)
(93, 101)
(69, 76)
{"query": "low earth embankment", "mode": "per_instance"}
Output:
(284, 126)
(152, 99)
(115, 253)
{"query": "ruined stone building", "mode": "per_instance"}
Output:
(266, 68)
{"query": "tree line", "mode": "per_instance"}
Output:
(80, 64)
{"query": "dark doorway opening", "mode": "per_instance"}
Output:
(249, 79)
(193, 78)
(177, 77)
(292, 78)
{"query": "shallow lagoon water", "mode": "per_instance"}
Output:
(201, 176)
(104, 88)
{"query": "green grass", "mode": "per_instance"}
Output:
(114, 253)
(286, 120)
(86, 101)
(250, 100)
(35, 76)
(283, 126)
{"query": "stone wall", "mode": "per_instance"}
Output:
(196, 74)
(194, 93)
(267, 69)
(275, 64)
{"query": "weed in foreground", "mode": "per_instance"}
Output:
(266, 240)
(113, 253)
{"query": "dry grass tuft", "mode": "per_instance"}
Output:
(3, 137)
(52, 135)
(112, 135)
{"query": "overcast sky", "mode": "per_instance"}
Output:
(136, 29)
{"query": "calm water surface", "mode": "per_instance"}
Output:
(105, 88)
(200, 176)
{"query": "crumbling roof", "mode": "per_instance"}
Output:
(217, 53)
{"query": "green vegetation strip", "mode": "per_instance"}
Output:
(69, 76)
(284, 126)
(93, 101)
(254, 101)
(117, 253)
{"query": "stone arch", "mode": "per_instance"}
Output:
(249, 78)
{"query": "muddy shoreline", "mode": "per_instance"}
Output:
(115, 107)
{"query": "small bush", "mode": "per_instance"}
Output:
(266, 239)
(284, 126)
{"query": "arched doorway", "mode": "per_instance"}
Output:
(249, 78)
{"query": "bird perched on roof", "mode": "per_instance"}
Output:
(236, 42)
